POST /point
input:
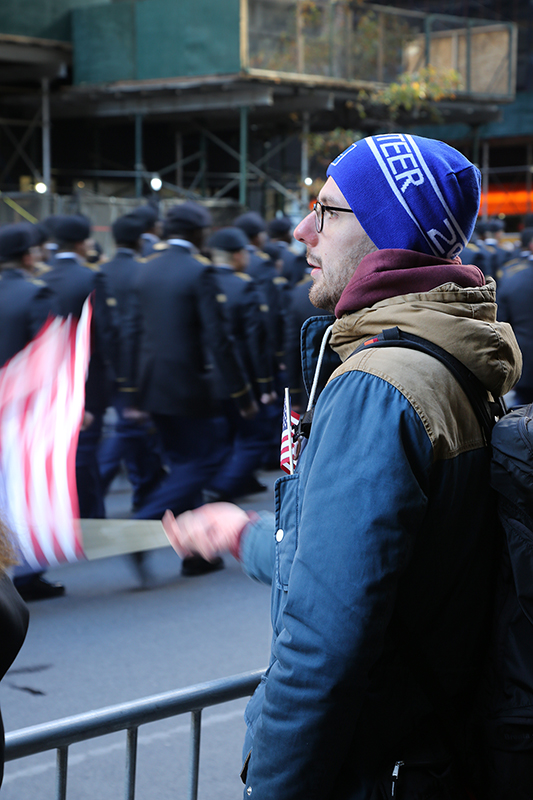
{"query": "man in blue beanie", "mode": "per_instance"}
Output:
(381, 549)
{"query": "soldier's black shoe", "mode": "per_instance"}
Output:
(196, 565)
(38, 588)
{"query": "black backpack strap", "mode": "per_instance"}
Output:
(485, 411)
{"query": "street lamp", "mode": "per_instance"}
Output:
(156, 183)
(41, 187)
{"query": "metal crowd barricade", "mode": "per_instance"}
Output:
(60, 734)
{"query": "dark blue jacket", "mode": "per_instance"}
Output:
(381, 538)
(182, 331)
(121, 275)
(25, 304)
(71, 283)
(245, 317)
(515, 305)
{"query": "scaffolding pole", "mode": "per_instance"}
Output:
(485, 175)
(243, 148)
(139, 166)
(305, 160)
(47, 158)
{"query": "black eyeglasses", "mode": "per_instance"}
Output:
(319, 209)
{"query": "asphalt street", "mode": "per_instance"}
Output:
(108, 640)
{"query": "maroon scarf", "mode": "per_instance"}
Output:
(390, 273)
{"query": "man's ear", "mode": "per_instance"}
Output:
(28, 261)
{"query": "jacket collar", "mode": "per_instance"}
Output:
(389, 273)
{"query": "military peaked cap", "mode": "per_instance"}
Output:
(526, 236)
(273, 250)
(279, 226)
(494, 225)
(15, 240)
(73, 228)
(188, 216)
(148, 215)
(251, 223)
(128, 229)
(228, 239)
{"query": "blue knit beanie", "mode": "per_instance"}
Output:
(410, 193)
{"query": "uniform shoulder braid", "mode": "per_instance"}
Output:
(202, 259)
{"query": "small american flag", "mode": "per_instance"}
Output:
(288, 445)
(42, 397)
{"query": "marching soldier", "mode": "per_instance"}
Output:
(134, 439)
(246, 322)
(25, 305)
(72, 282)
(182, 333)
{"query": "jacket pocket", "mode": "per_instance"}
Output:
(287, 520)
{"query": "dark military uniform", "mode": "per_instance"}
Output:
(25, 304)
(476, 252)
(279, 230)
(72, 283)
(515, 303)
(294, 265)
(182, 332)
(274, 288)
(244, 440)
(151, 244)
(133, 441)
(300, 308)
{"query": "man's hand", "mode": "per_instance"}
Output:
(250, 411)
(135, 415)
(87, 420)
(268, 397)
(208, 531)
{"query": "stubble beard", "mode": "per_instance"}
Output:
(330, 282)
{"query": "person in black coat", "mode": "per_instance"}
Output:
(25, 301)
(14, 619)
(151, 229)
(246, 322)
(262, 268)
(25, 305)
(280, 232)
(299, 309)
(72, 282)
(514, 296)
(182, 335)
(134, 439)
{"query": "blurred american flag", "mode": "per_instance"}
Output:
(288, 444)
(42, 398)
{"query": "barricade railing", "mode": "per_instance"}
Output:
(60, 734)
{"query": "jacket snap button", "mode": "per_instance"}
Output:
(279, 535)
(249, 791)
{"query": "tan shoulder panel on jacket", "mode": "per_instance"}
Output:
(202, 259)
(243, 276)
(432, 391)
